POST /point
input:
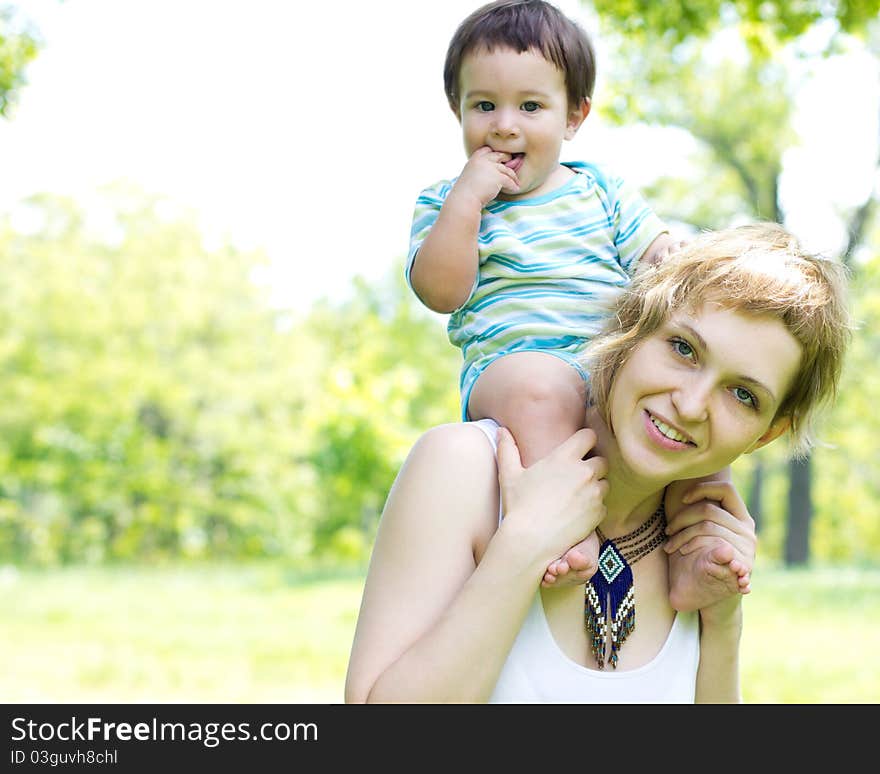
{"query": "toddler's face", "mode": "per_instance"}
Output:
(518, 104)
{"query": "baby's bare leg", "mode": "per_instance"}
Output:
(538, 397)
(541, 400)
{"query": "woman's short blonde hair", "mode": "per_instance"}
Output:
(759, 269)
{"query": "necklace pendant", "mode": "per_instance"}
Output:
(609, 598)
(609, 605)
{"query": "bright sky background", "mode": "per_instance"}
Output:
(308, 129)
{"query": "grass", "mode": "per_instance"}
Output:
(265, 633)
(812, 637)
(209, 634)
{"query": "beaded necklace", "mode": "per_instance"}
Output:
(609, 593)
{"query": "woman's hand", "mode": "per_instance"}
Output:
(559, 500)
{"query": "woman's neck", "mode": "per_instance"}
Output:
(631, 499)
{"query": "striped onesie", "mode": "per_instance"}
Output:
(548, 266)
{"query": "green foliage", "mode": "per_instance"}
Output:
(848, 488)
(725, 71)
(737, 107)
(763, 22)
(18, 46)
(391, 375)
(154, 403)
(137, 393)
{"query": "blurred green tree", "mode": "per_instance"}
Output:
(150, 400)
(19, 44)
(392, 374)
(156, 404)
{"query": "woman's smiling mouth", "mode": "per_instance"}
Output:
(666, 435)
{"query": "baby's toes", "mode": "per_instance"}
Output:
(741, 569)
(562, 567)
(581, 562)
(723, 554)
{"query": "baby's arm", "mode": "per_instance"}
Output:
(446, 264)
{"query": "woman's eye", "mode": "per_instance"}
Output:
(484, 106)
(744, 396)
(530, 107)
(681, 347)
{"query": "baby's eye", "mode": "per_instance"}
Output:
(681, 347)
(745, 397)
(530, 106)
(484, 106)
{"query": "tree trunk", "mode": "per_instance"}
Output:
(800, 512)
(756, 493)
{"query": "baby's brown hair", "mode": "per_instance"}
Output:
(523, 25)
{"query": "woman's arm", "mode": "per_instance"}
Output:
(720, 633)
(717, 535)
(434, 625)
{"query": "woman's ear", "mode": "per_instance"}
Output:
(777, 428)
(576, 116)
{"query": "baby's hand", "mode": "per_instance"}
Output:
(577, 566)
(661, 249)
(485, 176)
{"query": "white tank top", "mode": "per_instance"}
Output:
(536, 670)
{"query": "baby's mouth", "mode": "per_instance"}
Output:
(516, 161)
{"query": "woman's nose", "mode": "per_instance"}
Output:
(691, 400)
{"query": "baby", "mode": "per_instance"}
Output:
(523, 251)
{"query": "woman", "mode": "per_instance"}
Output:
(726, 346)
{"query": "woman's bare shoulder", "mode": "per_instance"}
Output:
(450, 453)
(463, 437)
(452, 466)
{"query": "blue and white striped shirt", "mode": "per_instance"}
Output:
(548, 265)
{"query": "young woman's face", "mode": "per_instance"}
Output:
(701, 391)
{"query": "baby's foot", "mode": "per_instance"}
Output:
(705, 576)
(576, 566)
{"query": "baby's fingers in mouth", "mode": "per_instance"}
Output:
(515, 162)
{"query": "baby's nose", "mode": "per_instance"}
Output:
(505, 124)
